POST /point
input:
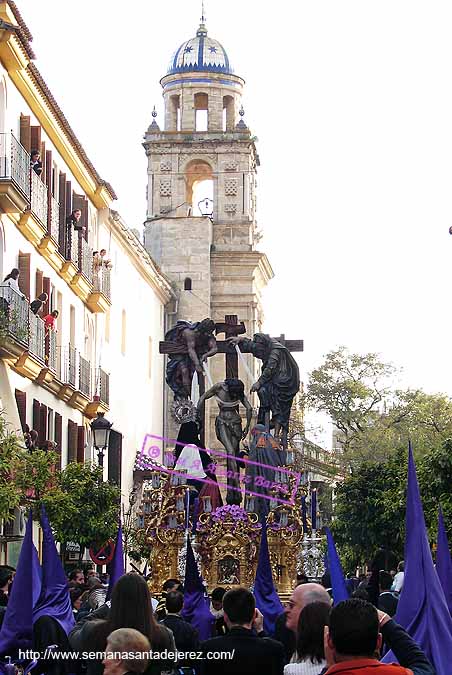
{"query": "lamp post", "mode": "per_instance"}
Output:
(101, 428)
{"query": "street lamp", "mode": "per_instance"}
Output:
(101, 434)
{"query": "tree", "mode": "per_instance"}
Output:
(371, 503)
(373, 418)
(352, 389)
(370, 510)
(83, 508)
(10, 453)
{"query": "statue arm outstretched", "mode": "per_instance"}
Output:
(213, 349)
(191, 348)
(208, 394)
(271, 367)
(249, 416)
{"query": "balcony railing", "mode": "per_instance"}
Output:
(14, 310)
(84, 384)
(70, 366)
(101, 281)
(104, 386)
(38, 199)
(85, 259)
(71, 246)
(14, 163)
(37, 337)
(51, 351)
(53, 222)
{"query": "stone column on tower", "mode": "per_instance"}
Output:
(201, 222)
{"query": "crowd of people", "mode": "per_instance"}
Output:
(311, 637)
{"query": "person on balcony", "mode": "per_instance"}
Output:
(35, 162)
(12, 280)
(50, 320)
(37, 304)
(73, 223)
(105, 262)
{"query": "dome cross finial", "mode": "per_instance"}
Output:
(202, 30)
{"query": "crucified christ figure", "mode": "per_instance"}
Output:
(228, 426)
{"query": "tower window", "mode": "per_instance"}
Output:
(201, 112)
(228, 113)
(187, 284)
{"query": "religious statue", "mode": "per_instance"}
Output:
(262, 476)
(228, 426)
(228, 571)
(279, 381)
(193, 344)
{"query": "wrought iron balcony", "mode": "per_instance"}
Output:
(37, 337)
(70, 366)
(102, 281)
(104, 386)
(14, 311)
(85, 259)
(14, 168)
(52, 352)
(38, 198)
(84, 384)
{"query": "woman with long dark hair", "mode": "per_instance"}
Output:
(130, 608)
(309, 658)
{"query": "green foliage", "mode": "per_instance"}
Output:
(36, 476)
(371, 502)
(83, 507)
(374, 419)
(10, 454)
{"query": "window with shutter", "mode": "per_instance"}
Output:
(36, 415)
(24, 277)
(35, 139)
(58, 437)
(50, 425)
(46, 289)
(42, 437)
(25, 132)
(80, 202)
(21, 401)
(38, 283)
(62, 211)
(81, 445)
(72, 433)
(44, 162)
(114, 455)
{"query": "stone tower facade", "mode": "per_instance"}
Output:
(212, 259)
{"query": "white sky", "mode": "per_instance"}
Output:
(352, 103)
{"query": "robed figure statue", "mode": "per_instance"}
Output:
(196, 344)
(279, 381)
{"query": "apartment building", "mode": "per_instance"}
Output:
(103, 355)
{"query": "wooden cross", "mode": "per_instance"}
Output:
(230, 327)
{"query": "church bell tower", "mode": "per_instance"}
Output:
(201, 197)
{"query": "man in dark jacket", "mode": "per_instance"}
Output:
(387, 601)
(354, 638)
(185, 636)
(243, 651)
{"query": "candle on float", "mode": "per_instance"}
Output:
(314, 509)
(304, 515)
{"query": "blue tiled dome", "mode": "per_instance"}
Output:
(201, 53)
